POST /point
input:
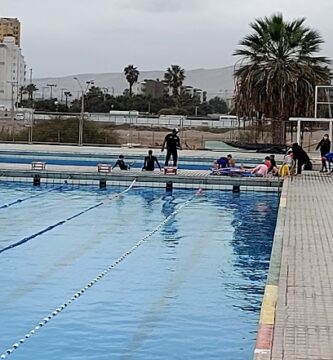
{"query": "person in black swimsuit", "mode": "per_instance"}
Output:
(171, 143)
(121, 163)
(150, 160)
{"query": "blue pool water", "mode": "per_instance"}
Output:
(191, 291)
(81, 161)
(85, 160)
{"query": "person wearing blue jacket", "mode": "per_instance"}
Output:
(329, 159)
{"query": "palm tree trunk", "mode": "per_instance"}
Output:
(279, 131)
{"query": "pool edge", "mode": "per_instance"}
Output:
(265, 334)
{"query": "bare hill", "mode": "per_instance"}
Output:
(217, 82)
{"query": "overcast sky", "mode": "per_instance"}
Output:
(64, 37)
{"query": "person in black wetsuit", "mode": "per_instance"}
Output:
(171, 143)
(121, 163)
(325, 146)
(150, 160)
(300, 156)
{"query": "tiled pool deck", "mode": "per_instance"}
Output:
(296, 321)
(297, 314)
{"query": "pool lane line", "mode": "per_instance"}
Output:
(62, 222)
(265, 334)
(18, 201)
(91, 283)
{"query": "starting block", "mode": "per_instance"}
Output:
(104, 168)
(170, 170)
(38, 165)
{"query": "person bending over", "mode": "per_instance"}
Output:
(171, 143)
(300, 156)
(150, 160)
(222, 162)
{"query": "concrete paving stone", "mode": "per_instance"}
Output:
(304, 314)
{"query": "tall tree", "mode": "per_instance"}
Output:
(174, 77)
(132, 74)
(30, 89)
(278, 70)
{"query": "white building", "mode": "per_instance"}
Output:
(12, 72)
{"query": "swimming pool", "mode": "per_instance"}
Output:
(191, 290)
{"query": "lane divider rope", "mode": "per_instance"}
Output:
(62, 222)
(18, 201)
(79, 293)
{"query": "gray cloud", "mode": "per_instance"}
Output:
(162, 6)
(83, 36)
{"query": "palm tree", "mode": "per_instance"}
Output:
(132, 74)
(30, 89)
(278, 70)
(174, 77)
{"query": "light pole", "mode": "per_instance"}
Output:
(43, 88)
(12, 110)
(83, 93)
(67, 94)
(51, 86)
(62, 93)
(105, 91)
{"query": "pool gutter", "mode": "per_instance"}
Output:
(265, 335)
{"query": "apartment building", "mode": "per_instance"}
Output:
(192, 91)
(12, 72)
(154, 88)
(10, 27)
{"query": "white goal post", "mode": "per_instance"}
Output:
(327, 101)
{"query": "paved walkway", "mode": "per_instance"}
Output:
(304, 313)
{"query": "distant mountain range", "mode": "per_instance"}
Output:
(217, 82)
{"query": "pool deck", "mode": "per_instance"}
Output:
(296, 319)
(183, 179)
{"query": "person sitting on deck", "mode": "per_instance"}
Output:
(267, 162)
(288, 164)
(150, 160)
(121, 163)
(231, 161)
(260, 170)
(273, 169)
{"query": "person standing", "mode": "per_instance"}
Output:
(171, 143)
(150, 160)
(324, 146)
(300, 156)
